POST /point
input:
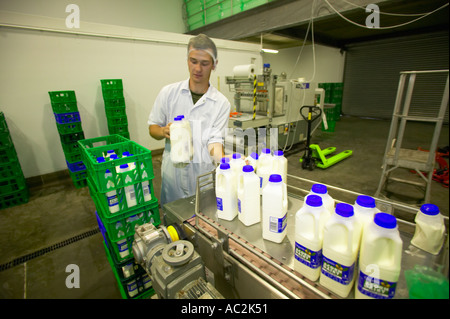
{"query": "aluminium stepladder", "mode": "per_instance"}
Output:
(397, 157)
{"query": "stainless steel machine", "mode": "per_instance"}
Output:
(213, 258)
(267, 111)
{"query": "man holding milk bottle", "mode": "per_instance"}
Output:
(206, 110)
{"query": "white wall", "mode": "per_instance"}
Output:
(35, 62)
(143, 14)
(329, 63)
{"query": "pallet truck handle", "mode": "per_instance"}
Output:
(312, 112)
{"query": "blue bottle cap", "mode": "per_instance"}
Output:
(247, 168)
(278, 153)
(224, 166)
(236, 156)
(275, 178)
(113, 157)
(225, 160)
(126, 153)
(266, 150)
(100, 159)
(385, 220)
(344, 209)
(109, 151)
(314, 200)
(267, 65)
(181, 116)
(365, 201)
(177, 118)
(429, 209)
(319, 189)
(124, 166)
(254, 155)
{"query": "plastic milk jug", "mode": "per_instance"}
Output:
(236, 164)
(111, 196)
(146, 189)
(340, 247)
(279, 164)
(274, 209)
(430, 229)
(187, 126)
(379, 259)
(226, 194)
(253, 160)
(249, 206)
(322, 191)
(365, 209)
(264, 167)
(179, 142)
(130, 193)
(309, 223)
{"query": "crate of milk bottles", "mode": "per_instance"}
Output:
(133, 281)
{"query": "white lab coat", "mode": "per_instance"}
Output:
(208, 119)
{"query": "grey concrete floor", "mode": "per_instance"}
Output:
(58, 211)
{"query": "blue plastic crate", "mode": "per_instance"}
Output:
(64, 118)
(76, 167)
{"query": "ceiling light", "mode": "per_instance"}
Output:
(269, 51)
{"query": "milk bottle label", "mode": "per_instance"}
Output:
(339, 273)
(219, 203)
(239, 205)
(112, 200)
(310, 258)
(376, 288)
(277, 225)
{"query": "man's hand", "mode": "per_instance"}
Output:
(158, 132)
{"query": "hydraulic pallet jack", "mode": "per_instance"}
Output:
(314, 156)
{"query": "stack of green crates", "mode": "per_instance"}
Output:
(13, 186)
(68, 123)
(116, 219)
(116, 115)
(333, 95)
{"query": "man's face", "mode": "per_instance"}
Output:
(200, 65)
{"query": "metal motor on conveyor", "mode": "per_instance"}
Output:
(176, 269)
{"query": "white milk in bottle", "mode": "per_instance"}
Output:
(187, 125)
(322, 191)
(236, 164)
(130, 193)
(274, 209)
(249, 205)
(226, 194)
(365, 209)
(340, 247)
(252, 160)
(309, 223)
(380, 259)
(279, 165)
(430, 229)
(179, 142)
(264, 167)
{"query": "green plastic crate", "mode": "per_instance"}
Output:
(113, 94)
(120, 102)
(62, 97)
(141, 158)
(115, 112)
(7, 155)
(62, 108)
(15, 198)
(11, 169)
(113, 84)
(12, 184)
(69, 128)
(121, 225)
(117, 129)
(71, 137)
(118, 122)
(132, 284)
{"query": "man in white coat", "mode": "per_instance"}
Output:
(207, 111)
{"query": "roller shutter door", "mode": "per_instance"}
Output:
(372, 73)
